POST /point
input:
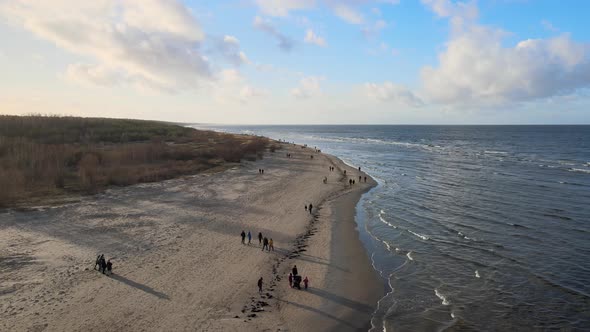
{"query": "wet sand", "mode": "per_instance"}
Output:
(178, 261)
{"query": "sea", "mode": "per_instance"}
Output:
(472, 228)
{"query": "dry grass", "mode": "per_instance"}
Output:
(44, 157)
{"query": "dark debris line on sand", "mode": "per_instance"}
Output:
(258, 305)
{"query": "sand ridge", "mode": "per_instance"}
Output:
(178, 261)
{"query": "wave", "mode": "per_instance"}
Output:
(385, 221)
(409, 255)
(579, 170)
(423, 237)
(442, 297)
(495, 152)
(477, 274)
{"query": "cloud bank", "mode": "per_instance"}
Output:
(149, 43)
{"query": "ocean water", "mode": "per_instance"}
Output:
(473, 228)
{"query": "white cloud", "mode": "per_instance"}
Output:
(345, 9)
(312, 38)
(149, 42)
(283, 7)
(285, 43)
(476, 68)
(549, 26)
(388, 91)
(95, 74)
(248, 92)
(231, 87)
(348, 14)
(308, 87)
(460, 13)
(229, 47)
(373, 30)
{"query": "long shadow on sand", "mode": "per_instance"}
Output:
(141, 287)
(319, 312)
(341, 300)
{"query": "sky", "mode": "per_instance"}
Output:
(298, 61)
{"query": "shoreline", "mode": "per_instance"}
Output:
(350, 286)
(176, 250)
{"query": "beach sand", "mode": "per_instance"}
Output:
(178, 261)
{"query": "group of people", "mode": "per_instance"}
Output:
(295, 279)
(106, 267)
(266, 243)
(260, 171)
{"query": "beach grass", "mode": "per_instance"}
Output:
(45, 158)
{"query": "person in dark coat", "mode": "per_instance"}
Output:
(243, 235)
(103, 264)
(109, 267)
(265, 244)
(291, 280)
(260, 285)
(305, 282)
(259, 238)
(97, 263)
(294, 271)
(310, 207)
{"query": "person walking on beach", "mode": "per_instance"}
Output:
(344, 172)
(365, 179)
(260, 285)
(359, 168)
(243, 235)
(310, 207)
(109, 267)
(265, 244)
(249, 237)
(306, 208)
(103, 264)
(259, 238)
(350, 182)
(305, 282)
(291, 280)
(294, 270)
(360, 179)
(270, 245)
(97, 263)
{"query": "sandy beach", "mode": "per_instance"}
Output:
(179, 264)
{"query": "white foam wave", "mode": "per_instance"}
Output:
(423, 237)
(477, 274)
(452, 315)
(442, 297)
(409, 255)
(386, 222)
(579, 170)
(495, 152)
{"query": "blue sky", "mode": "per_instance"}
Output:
(299, 61)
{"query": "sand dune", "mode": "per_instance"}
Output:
(178, 261)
